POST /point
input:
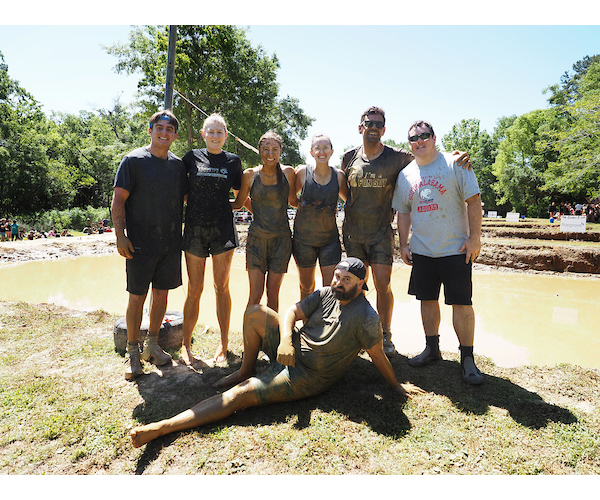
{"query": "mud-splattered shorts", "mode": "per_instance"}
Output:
(283, 383)
(163, 271)
(381, 252)
(213, 240)
(268, 254)
(306, 255)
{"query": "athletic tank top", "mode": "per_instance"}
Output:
(315, 223)
(269, 207)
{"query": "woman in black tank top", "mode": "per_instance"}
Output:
(316, 235)
(268, 248)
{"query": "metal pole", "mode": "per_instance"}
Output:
(170, 67)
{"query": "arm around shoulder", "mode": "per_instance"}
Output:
(343, 184)
(291, 178)
(244, 192)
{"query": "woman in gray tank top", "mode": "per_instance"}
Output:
(316, 234)
(271, 187)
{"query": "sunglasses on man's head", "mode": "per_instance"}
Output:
(373, 123)
(422, 137)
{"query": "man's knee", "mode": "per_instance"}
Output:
(159, 295)
(256, 316)
(254, 311)
(240, 396)
(221, 289)
(382, 276)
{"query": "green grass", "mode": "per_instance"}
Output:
(65, 408)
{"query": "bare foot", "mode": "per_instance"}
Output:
(186, 355)
(142, 435)
(231, 380)
(220, 355)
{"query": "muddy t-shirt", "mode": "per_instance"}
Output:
(211, 177)
(368, 209)
(154, 208)
(333, 336)
(434, 195)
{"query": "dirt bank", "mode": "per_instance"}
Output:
(517, 248)
(13, 252)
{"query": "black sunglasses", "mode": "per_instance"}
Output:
(422, 137)
(373, 123)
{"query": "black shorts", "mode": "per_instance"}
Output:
(306, 255)
(162, 270)
(212, 240)
(428, 274)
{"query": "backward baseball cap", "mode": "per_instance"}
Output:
(354, 266)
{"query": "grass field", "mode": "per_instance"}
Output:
(66, 409)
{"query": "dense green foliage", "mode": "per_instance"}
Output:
(216, 70)
(542, 156)
(67, 161)
(60, 162)
(71, 219)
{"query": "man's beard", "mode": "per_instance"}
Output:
(341, 295)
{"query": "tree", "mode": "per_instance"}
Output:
(91, 149)
(394, 144)
(482, 148)
(216, 70)
(24, 164)
(569, 90)
(523, 157)
(575, 174)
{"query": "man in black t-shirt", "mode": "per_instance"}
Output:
(147, 210)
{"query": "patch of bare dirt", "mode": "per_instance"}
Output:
(13, 252)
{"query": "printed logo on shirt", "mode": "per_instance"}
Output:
(427, 208)
(204, 171)
(358, 178)
(229, 244)
(426, 182)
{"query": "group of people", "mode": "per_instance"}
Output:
(591, 211)
(9, 230)
(102, 227)
(435, 194)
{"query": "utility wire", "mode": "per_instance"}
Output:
(244, 143)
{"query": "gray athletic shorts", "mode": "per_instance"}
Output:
(381, 252)
(162, 270)
(283, 383)
(306, 255)
(429, 273)
(213, 240)
(268, 254)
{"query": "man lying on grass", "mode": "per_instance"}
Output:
(339, 322)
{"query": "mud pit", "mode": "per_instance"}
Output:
(524, 247)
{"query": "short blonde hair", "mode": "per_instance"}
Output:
(215, 117)
(317, 137)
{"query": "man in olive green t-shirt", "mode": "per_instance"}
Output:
(338, 323)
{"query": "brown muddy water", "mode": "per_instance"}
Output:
(521, 319)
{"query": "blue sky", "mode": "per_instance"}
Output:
(441, 73)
